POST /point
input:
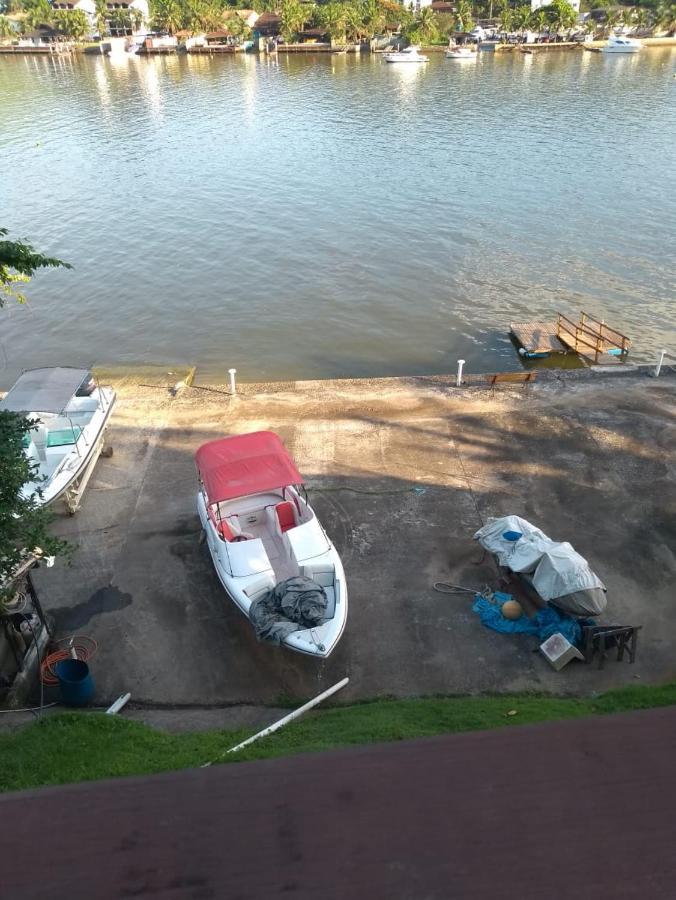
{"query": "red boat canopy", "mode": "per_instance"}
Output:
(245, 464)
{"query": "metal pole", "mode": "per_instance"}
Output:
(660, 360)
(233, 386)
(292, 715)
(458, 381)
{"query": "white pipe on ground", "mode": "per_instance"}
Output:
(458, 381)
(233, 386)
(121, 701)
(660, 360)
(280, 723)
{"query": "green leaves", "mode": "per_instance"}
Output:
(23, 522)
(18, 262)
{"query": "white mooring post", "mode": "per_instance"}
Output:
(458, 381)
(660, 360)
(233, 386)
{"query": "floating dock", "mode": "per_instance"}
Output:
(594, 342)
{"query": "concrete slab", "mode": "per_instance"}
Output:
(401, 472)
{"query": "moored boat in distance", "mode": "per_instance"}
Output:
(460, 52)
(408, 55)
(618, 43)
(70, 414)
(262, 534)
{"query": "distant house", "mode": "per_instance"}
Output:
(268, 25)
(248, 16)
(440, 6)
(87, 6)
(115, 7)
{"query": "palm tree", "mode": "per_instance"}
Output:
(538, 20)
(521, 18)
(168, 16)
(39, 14)
(463, 15)
(332, 17)
(293, 16)
(6, 29)
(372, 17)
(665, 17)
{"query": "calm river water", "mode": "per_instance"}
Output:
(335, 216)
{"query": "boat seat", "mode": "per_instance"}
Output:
(325, 575)
(286, 515)
(236, 528)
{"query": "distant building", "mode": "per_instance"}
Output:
(87, 6)
(417, 5)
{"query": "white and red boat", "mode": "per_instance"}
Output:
(261, 531)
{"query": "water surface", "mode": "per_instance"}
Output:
(335, 216)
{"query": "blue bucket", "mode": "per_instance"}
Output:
(75, 682)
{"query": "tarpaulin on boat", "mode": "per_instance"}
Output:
(245, 464)
(292, 605)
(557, 572)
(44, 390)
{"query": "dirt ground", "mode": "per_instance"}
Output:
(402, 472)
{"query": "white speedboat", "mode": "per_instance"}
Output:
(460, 53)
(261, 531)
(71, 413)
(617, 43)
(408, 55)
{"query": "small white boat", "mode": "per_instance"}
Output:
(617, 43)
(261, 531)
(459, 52)
(71, 413)
(408, 55)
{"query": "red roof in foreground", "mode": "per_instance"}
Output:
(576, 810)
(245, 464)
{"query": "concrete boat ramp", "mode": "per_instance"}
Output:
(402, 472)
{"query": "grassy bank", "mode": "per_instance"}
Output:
(84, 746)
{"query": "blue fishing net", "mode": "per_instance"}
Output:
(544, 624)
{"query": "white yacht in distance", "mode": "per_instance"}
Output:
(617, 43)
(408, 55)
(459, 52)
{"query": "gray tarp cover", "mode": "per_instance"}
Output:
(44, 390)
(291, 605)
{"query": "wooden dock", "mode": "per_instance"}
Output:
(594, 342)
(537, 338)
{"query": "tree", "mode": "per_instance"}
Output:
(538, 20)
(101, 17)
(332, 17)
(561, 15)
(521, 17)
(373, 17)
(6, 29)
(39, 13)
(71, 22)
(665, 17)
(463, 15)
(23, 521)
(167, 15)
(423, 29)
(293, 18)
(18, 263)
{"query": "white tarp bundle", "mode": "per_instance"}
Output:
(555, 569)
(562, 571)
(521, 555)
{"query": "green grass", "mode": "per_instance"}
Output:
(82, 746)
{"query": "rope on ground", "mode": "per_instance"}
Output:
(445, 587)
(85, 648)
